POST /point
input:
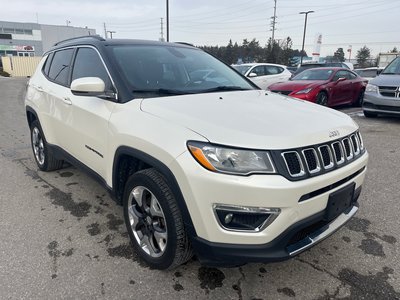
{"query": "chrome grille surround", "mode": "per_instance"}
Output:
(289, 168)
(329, 151)
(348, 148)
(355, 143)
(339, 160)
(310, 161)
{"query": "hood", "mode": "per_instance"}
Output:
(386, 80)
(251, 119)
(295, 85)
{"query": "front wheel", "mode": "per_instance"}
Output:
(368, 114)
(43, 157)
(322, 99)
(154, 221)
(360, 99)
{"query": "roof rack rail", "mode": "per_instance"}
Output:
(185, 43)
(96, 36)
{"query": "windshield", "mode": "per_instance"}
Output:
(163, 70)
(393, 67)
(314, 74)
(242, 69)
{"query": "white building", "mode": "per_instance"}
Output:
(32, 39)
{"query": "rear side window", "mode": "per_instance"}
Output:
(47, 64)
(88, 64)
(259, 70)
(272, 70)
(60, 65)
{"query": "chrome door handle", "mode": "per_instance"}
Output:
(66, 100)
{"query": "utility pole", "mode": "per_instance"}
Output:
(162, 30)
(167, 20)
(273, 23)
(304, 33)
(111, 33)
(68, 22)
(105, 30)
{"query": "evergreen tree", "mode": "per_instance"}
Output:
(339, 55)
(363, 55)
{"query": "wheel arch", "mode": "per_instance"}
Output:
(31, 115)
(128, 160)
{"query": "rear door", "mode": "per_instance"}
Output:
(274, 74)
(58, 96)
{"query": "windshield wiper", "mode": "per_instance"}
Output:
(224, 88)
(390, 73)
(161, 91)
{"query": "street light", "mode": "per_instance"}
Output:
(304, 33)
(167, 19)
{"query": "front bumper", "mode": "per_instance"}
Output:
(294, 240)
(299, 225)
(376, 103)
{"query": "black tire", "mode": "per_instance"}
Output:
(360, 99)
(322, 99)
(368, 114)
(177, 246)
(45, 160)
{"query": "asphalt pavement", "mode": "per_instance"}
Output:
(63, 237)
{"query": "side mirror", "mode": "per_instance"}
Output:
(252, 75)
(88, 86)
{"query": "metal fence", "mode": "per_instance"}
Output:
(20, 66)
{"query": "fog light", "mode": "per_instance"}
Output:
(244, 218)
(228, 218)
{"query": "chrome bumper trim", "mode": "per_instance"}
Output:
(321, 233)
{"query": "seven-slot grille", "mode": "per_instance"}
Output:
(322, 158)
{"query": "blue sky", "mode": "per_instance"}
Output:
(341, 22)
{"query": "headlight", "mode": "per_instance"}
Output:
(305, 91)
(231, 160)
(371, 88)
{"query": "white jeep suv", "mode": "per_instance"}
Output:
(202, 160)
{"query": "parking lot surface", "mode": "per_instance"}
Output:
(62, 236)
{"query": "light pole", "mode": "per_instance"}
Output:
(111, 33)
(304, 33)
(167, 19)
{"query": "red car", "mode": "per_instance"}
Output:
(325, 86)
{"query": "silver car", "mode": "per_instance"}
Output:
(382, 95)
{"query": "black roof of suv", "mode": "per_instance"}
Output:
(98, 41)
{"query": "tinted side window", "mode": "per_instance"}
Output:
(88, 64)
(272, 70)
(47, 64)
(352, 75)
(60, 65)
(259, 70)
(340, 74)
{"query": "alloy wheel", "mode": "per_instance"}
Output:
(38, 146)
(147, 221)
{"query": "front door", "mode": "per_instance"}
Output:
(90, 114)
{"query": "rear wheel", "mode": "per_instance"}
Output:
(368, 114)
(43, 157)
(322, 99)
(154, 221)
